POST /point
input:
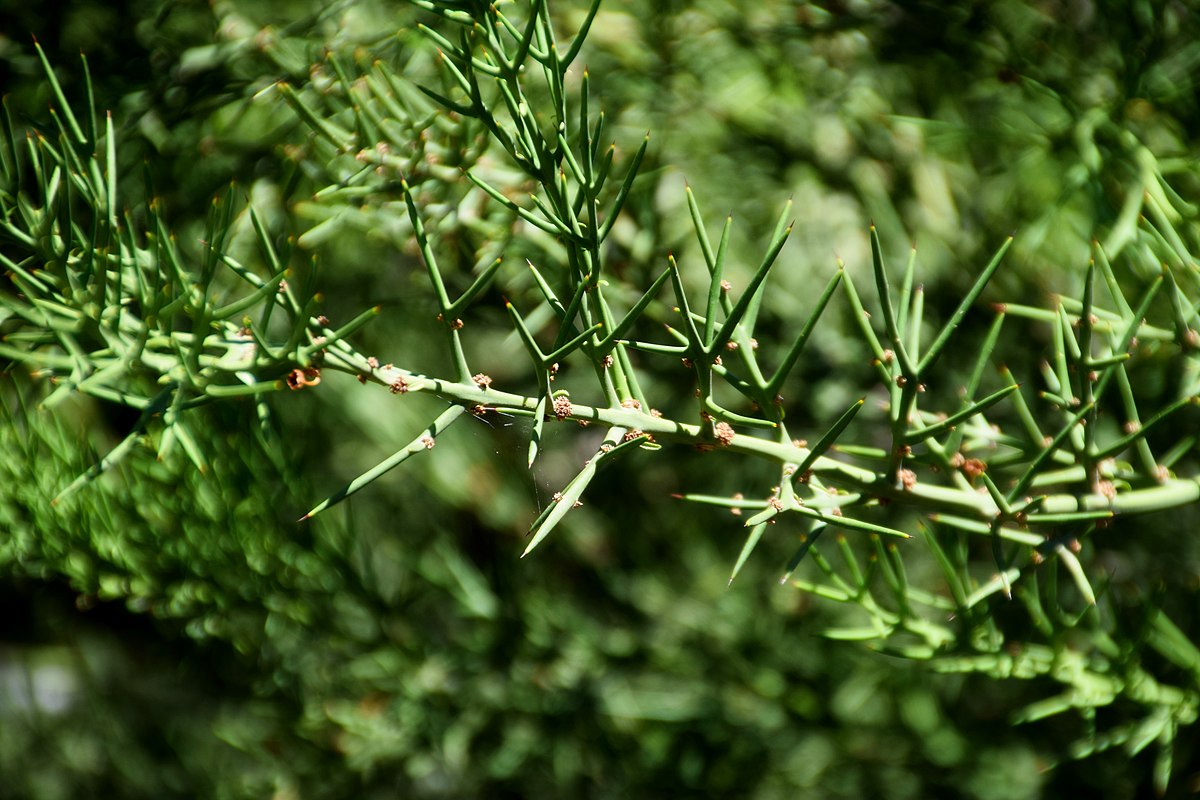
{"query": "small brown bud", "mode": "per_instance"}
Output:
(724, 433)
(973, 468)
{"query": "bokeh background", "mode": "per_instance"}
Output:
(175, 634)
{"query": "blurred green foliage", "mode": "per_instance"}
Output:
(176, 633)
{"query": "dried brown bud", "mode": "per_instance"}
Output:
(973, 468)
(300, 378)
(724, 433)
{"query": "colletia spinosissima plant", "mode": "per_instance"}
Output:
(1008, 491)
